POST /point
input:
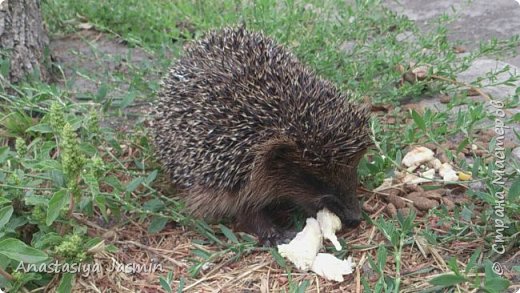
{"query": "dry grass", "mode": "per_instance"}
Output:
(258, 271)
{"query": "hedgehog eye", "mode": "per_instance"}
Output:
(279, 152)
(277, 155)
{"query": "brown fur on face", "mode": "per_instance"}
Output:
(280, 177)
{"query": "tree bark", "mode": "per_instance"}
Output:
(22, 39)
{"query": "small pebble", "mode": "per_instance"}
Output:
(391, 210)
(445, 99)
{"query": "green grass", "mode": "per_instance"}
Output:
(48, 172)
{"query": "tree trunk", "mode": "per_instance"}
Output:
(22, 39)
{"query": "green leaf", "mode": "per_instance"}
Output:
(489, 273)
(153, 205)
(447, 280)
(4, 154)
(476, 167)
(57, 178)
(462, 145)
(127, 100)
(466, 214)
(16, 222)
(247, 238)
(66, 283)
(496, 284)
(406, 223)
(472, 260)
(228, 233)
(157, 224)
(278, 258)
(47, 165)
(88, 148)
(36, 200)
(151, 177)
(201, 253)
(34, 183)
(100, 201)
(418, 120)
(40, 128)
(514, 191)
(102, 92)
(114, 182)
(92, 183)
(165, 285)
(19, 251)
(47, 240)
(389, 230)
(4, 200)
(381, 257)
(5, 215)
(195, 269)
(398, 157)
(92, 243)
(112, 248)
(4, 260)
(57, 202)
(303, 286)
(5, 66)
(134, 184)
(452, 264)
(182, 281)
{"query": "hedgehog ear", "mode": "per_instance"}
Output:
(275, 152)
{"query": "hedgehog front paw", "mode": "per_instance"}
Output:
(260, 224)
(276, 237)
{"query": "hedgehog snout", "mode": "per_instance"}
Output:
(352, 213)
(348, 211)
(351, 223)
(350, 218)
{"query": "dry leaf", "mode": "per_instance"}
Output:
(433, 194)
(445, 99)
(459, 49)
(396, 200)
(391, 210)
(369, 208)
(422, 203)
(85, 26)
(473, 92)
(420, 72)
(448, 203)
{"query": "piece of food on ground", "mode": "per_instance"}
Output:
(447, 173)
(332, 268)
(329, 224)
(417, 156)
(303, 248)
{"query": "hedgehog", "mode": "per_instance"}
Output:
(245, 130)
